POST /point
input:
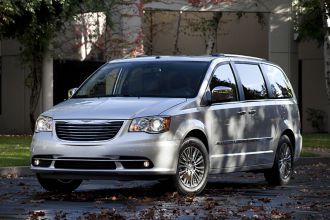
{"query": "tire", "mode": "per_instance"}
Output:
(59, 185)
(282, 170)
(193, 167)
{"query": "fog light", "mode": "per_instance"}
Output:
(36, 162)
(146, 164)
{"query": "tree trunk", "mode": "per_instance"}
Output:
(176, 43)
(326, 51)
(212, 37)
(326, 48)
(35, 85)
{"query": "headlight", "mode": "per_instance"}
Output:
(44, 123)
(150, 124)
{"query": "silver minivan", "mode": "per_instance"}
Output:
(172, 118)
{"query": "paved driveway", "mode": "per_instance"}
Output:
(231, 196)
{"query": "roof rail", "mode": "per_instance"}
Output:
(237, 56)
(218, 55)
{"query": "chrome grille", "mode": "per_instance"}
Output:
(70, 131)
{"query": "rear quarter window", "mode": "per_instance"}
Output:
(279, 84)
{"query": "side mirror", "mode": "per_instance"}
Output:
(222, 93)
(71, 92)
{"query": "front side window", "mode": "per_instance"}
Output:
(223, 76)
(252, 81)
(279, 84)
(178, 79)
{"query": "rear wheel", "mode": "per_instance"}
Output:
(59, 185)
(282, 170)
(193, 167)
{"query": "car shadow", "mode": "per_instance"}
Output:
(149, 193)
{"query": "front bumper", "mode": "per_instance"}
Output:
(126, 147)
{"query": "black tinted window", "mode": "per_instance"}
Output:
(178, 79)
(279, 84)
(252, 80)
(223, 76)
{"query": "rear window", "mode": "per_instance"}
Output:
(252, 81)
(279, 84)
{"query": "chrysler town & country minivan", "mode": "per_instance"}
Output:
(171, 117)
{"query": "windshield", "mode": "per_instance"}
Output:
(179, 79)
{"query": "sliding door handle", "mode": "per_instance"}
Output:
(241, 113)
(252, 112)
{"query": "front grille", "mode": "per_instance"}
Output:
(87, 132)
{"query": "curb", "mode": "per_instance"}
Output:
(25, 170)
(15, 171)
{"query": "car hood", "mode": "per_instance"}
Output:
(112, 108)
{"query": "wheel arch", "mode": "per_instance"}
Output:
(192, 128)
(200, 135)
(291, 136)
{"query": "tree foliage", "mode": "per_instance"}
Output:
(33, 22)
(309, 23)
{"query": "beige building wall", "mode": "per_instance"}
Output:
(237, 36)
(244, 36)
(313, 83)
(14, 117)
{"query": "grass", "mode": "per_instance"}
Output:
(305, 153)
(316, 140)
(14, 150)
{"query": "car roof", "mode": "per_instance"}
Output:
(166, 58)
(204, 58)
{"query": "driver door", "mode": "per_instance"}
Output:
(228, 125)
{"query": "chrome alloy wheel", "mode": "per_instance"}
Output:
(285, 161)
(191, 167)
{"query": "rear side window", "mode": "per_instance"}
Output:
(252, 81)
(279, 84)
(223, 76)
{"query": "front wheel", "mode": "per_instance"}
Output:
(193, 167)
(59, 185)
(282, 170)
